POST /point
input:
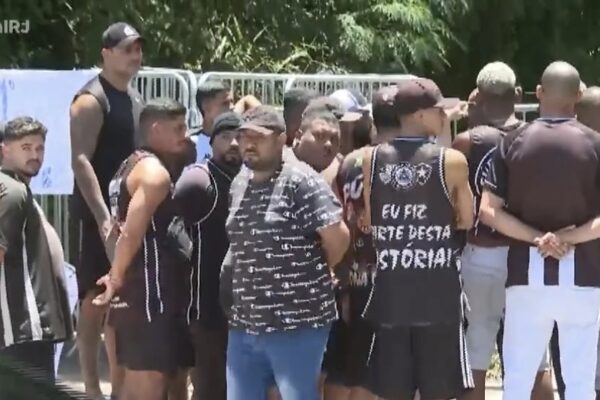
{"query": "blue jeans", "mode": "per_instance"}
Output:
(291, 359)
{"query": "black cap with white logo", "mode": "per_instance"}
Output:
(120, 34)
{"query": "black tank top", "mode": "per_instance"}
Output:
(116, 141)
(210, 247)
(417, 279)
(155, 281)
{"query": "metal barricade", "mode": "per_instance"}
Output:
(150, 82)
(325, 84)
(268, 88)
(163, 82)
(527, 112)
(194, 118)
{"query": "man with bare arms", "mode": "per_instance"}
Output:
(104, 120)
(151, 265)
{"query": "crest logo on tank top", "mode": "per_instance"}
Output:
(114, 190)
(404, 176)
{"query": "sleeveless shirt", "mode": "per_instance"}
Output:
(417, 279)
(155, 281)
(116, 140)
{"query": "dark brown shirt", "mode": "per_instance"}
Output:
(548, 173)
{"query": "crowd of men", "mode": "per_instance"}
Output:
(337, 250)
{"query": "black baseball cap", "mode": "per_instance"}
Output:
(384, 102)
(420, 94)
(120, 34)
(263, 119)
(325, 103)
(228, 121)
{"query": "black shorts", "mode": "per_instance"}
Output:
(361, 337)
(347, 353)
(432, 359)
(88, 255)
(163, 345)
(334, 359)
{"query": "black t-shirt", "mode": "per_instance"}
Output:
(276, 267)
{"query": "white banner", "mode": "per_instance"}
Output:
(46, 96)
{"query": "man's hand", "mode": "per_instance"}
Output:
(246, 103)
(104, 229)
(459, 112)
(552, 245)
(111, 285)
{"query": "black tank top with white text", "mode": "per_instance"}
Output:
(417, 278)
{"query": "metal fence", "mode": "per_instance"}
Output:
(527, 112)
(151, 83)
(268, 88)
(367, 84)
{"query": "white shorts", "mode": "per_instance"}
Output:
(484, 276)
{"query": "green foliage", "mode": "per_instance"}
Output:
(449, 40)
(528, 35)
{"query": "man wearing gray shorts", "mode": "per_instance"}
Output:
(485, 255)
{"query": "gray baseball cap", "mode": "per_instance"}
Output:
(263, 119)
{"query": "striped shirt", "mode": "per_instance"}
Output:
(32, 296)
(548, 173)
(155, 281)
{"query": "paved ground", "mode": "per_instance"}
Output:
(69, 373)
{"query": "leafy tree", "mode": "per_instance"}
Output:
(447, 39)
(528, 35)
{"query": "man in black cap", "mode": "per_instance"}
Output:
(104, 125)
(202, 197)
(350, 344)
(286, 232)
(417, 199)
